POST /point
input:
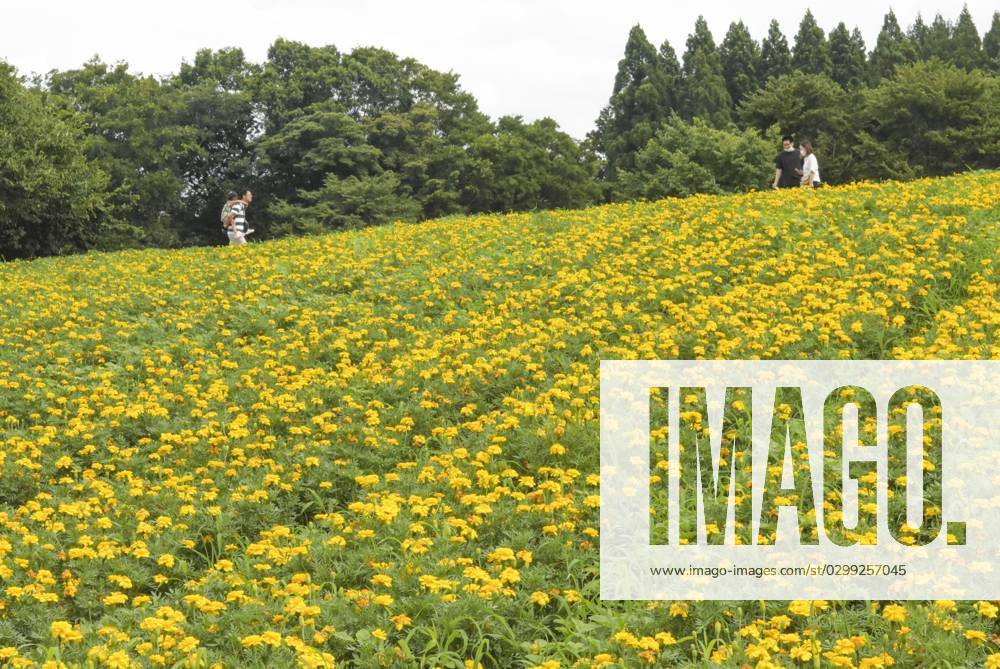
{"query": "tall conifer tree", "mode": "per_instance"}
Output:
(892, 49)
(775, 59)
(991, 45)
(811, 53)
(638, 104)
(966, 46)
(847, 56)
(705, 94)
(740, 61)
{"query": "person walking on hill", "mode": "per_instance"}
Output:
(237, 228)
(227, 210)
(788, 165)
(810, 166)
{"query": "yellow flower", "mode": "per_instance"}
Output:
(539, 598)
(400, 621)
(975, 635)
(64, 631)
(118, 660)
(894, 613)
(115, 598)
(986, 609)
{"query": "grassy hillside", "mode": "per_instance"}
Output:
(380, 447)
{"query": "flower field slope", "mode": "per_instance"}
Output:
(379, 448)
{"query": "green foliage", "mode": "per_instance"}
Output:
(932, 41)
(705, 94)
(811, 53)
(522, 167)
(991, 44)
(966, 47)
(139, 134)
(740, 61)
(939, 118)
(52, 199)
(775, 59)
(892, 49)
(693, 157)
(642, 96)
(350, 202)
(847, 56)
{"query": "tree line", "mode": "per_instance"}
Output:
(101, 157)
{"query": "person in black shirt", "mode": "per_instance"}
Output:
(788, 165)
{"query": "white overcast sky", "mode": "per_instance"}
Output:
(552, 58)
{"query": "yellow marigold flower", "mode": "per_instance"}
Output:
(539, 598)
(382, 579)
(379, 634)
(118, 660)
(400, 621)
(271, 638)
(64, 631)
(986, 609)
(894, 613)
(975, 635)
(115, 598)
(666, 638)
(880, 661)
(806, 607)
(679, 610)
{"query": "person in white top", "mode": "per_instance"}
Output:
(810, 166)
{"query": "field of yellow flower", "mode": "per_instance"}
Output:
(380, 448)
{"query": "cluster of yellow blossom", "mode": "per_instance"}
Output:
(381, 446)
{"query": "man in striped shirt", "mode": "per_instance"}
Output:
(238, 229)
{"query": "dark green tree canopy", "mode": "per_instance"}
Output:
(966, 46)
(892, 49)
(638, 103)
(140, 134)
(685, 158)
(991, 44)
(672, 77)
(775, 59)
(939, 117)
(740, 55)
(811, 53)
(937, 42)
(704, 82)
(847, 56)
(528, 166)
(52, 199)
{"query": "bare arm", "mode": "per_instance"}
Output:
(777, 175)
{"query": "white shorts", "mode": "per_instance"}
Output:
(236, 238)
